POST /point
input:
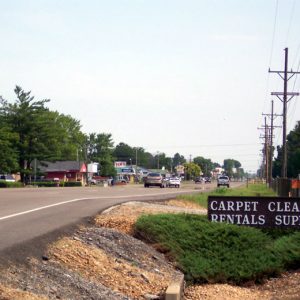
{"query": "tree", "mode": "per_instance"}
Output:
(191, 170)
(145, 159)
(36, 132)
(124, 152)
(8, 155)
(100, 149)
(293, 154)
(70, 136)
(229, 165)
(206, 165)
(178, 159)
(22, 118)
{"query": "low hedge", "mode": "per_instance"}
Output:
(44, 183)
(220, 252)
(5, 184)
(54, 184)
(73, 183)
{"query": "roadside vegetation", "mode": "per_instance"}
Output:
(4, 184)
(251, 190)
(219, 252)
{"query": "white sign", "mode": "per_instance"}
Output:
(120, 164)
(93, 167)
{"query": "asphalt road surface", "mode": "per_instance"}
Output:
(29, 217)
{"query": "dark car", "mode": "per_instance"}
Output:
(207, 180)
(154, 179)
(199, 179)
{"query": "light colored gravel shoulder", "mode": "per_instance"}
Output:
(104, 261)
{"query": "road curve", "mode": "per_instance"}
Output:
(30, 214)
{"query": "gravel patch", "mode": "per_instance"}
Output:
(104, 261)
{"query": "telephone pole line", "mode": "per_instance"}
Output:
(272, 116)
(283, 97)
(266, 144)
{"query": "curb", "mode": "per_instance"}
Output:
(175, 289)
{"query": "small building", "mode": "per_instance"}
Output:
(126, 172)
(66, 171)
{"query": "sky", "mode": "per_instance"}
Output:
(167, 75)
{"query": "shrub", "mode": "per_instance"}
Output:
(5, 184)
(211, 252)
(288, 248)
(44, 183)
(72, 183)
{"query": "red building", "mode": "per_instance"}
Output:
(67, 171)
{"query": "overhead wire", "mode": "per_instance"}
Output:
(290, 22)
(270, 59)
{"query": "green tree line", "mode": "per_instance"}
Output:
(30, 131)
(293, 155)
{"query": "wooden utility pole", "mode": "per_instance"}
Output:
(283, 97)
(272, 116)
(266, 151)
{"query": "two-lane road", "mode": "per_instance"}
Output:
(28, 214)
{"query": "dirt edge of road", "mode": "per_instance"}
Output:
(91, 260)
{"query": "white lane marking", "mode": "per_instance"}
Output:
(76, 200)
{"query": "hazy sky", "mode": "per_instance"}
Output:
(167, 75)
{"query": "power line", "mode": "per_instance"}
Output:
(283, 97)
(272, 117)
(290, 21)
(204, 145)
(271, 56)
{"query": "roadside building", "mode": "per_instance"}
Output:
(66, 171)
(126, 173)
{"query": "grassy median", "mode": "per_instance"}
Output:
(251, 190)
(218, 252)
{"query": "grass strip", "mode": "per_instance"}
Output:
(251, 190)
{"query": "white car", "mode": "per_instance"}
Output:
(223, 181)
(7, 178)
(174, 181)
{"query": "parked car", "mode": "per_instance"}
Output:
(173, 181)
(223, 181)
(7, 178)
(207, 180)
(155, 179)
(199, 179)
(121, 179)
(92, 181)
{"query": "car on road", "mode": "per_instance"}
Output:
(155, 179)
(199, 179)
(7, 178)
(173, 182)
(207, 180)
(223, 181)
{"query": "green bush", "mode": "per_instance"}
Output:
(288, 248)
(212, 252)
(73, 183)
(44, 183)
(5, 184)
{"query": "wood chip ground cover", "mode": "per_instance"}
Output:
(117, 274)
(105, 262)
(7, 293)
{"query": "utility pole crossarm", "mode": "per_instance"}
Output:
(283, 97)
(283, 72)
(291, 94)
